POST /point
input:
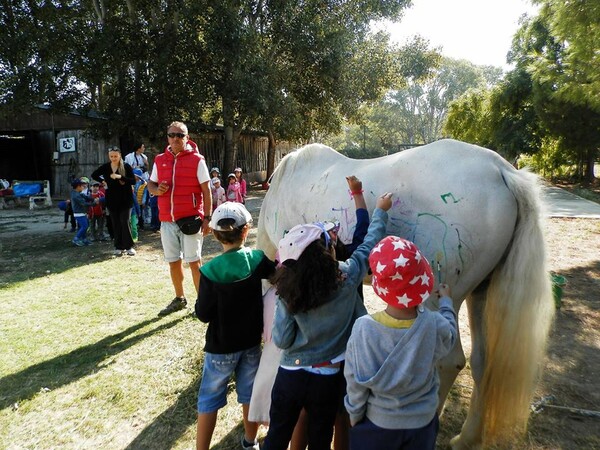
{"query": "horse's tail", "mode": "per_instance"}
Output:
(518, 313)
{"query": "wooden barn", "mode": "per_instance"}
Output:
(59, 147)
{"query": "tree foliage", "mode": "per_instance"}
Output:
(414, 112)
(549, 102)
(291, 68)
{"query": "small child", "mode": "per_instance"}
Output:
(96, 213)
(391, 357)
(68, 216)
(234, 193)
(154, 220)
(215, 172)
(240, 179)
(80, 204)
(230, 301)
(218, 193)
(136, 211)
(316, 307)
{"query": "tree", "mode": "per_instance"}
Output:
(567, 74)
(536, 108)
(415, 114)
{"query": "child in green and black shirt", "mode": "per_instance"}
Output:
(230, 301)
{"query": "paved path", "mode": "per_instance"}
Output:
(561, 203)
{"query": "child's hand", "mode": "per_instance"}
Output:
(354, 184)
(444, 290)
(385, 201)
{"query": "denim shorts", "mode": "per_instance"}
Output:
(217, 372)
(177, 245)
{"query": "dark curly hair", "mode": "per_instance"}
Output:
(308, 282)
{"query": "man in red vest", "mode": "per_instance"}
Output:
(180, 179)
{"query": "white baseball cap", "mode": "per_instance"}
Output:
(296, 240)
(230, 210)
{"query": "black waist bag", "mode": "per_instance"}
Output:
(190, 224)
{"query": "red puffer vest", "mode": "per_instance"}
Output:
(184, 197)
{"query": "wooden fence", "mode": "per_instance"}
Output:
(92, 152)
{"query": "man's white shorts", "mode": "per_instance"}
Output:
(177, 245)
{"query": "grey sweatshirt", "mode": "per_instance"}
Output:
(391, 373)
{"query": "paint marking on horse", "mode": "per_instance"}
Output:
(449, 194)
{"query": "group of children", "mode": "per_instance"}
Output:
(235, 190)
(83, 206)
(87, 214)
(332, 358)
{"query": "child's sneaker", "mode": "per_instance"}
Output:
(130, 252)
(250, 445)
(78, 242)
(87, 242)
(118, 252)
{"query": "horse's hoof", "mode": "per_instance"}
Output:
(458, 443)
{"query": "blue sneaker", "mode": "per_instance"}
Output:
(87, 242)
(78, 242)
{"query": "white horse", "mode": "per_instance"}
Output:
(478, 221)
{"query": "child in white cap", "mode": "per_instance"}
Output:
(316, 306)
(391, 358)
(230, 301)
(218, 192)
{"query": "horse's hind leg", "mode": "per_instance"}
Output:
(471, 434)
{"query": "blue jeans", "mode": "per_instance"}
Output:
(82, 222)
(297, 389)
(367, 435)
(217, 371)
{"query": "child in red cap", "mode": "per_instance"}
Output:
(391, 357)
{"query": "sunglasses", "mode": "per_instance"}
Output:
(178, 135)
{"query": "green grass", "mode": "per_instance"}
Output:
(86, 362)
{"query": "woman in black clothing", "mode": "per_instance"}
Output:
(119, 179)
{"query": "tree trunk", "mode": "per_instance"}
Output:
(232, 129)
(271, 155)
(228, 124)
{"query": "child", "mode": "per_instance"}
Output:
(391, 358)
(215, 173)
(218, 193)
(238, 177)
(80, 203)
(230, 301)
(140, 194)
(342, 253)
(316, 307)
(96, 213)
(234, 193)
(154, 220)
(68, 209)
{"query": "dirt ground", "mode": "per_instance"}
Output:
(571, 378)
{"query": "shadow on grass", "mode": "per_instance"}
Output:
(168, 427)
(33, 255)
(67, 368)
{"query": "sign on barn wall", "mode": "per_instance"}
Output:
(67, 145)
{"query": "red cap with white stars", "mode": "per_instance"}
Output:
(401, 275)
